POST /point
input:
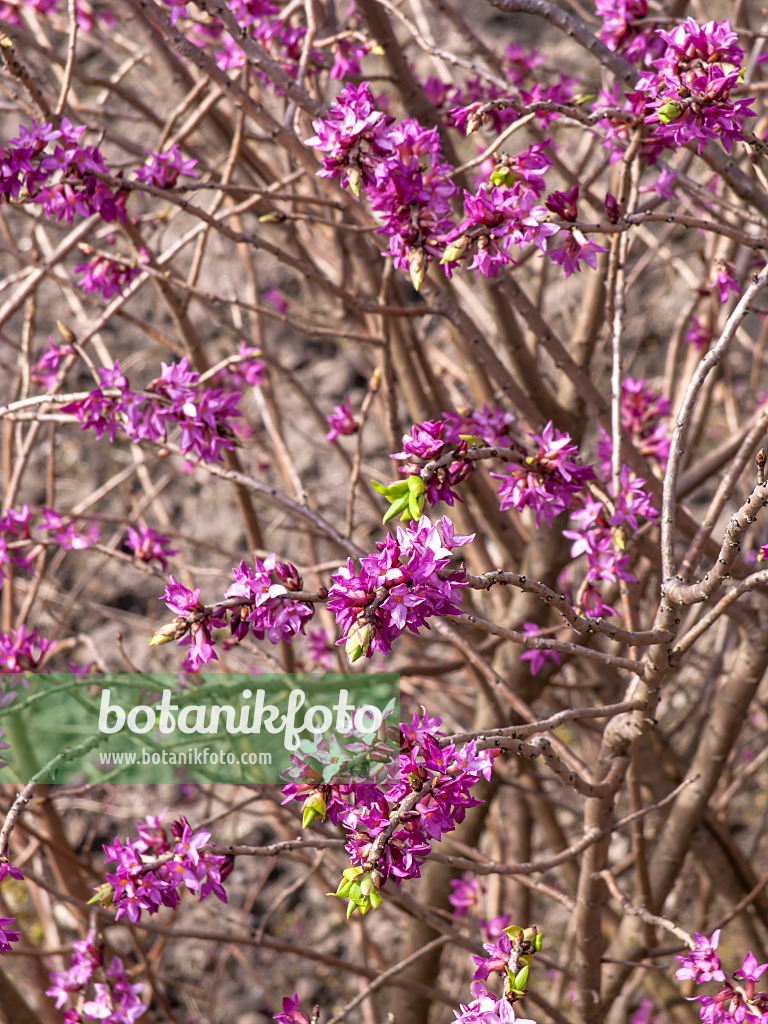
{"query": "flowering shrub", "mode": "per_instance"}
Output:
(355, 337)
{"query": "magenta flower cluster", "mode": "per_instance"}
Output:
(50, 167)
(408, 183)
(23, 651)
(265, 22)
(644, 416)
(496, 219)
(203, 415)
(547, 479)
(476, 92)
(7, 934)
(135, 887)
(291, 1012)
(737, 1001)
(341, 421)
(18, 547)
(619, 131)
(433, 438)
(412, 194)
(485, 1008)
(689, 94)
(636, 43)
(115, 1000)
(444, 772)
(429, 440)
(600, 533)
(149, 546)
(46, 370)
(400, 587)
(163, 169)
(105, 276)
(259, 603)
(65, 532)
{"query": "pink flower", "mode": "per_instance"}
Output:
(147, 545)
(291, 1013)
(547, 479)
(341, 421)
(536, 656)
(7, 934)
(163, 169)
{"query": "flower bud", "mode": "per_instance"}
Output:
(289, 576)
(227, 867)
(354, 179)
(313, 807)
(358, 640)
(612, 209)
(177, 827)
(417, 262)
(166, 634)
(65, 331)
(455, 250)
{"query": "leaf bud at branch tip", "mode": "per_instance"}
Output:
(354, 179)
(417, 261)
(455, 250)
(358, 640)
(166, 634)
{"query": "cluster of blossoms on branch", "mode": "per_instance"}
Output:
(18, 547)
(737, 1001)
(23, 650)
(263, 601)
(511, 957)
(620, 33)
(400, 587)
(87, 16)
(408, 183)
(437, 456)
(391, 823)
(49, 167)
(114, 999)
(685, 95)
(401, 169)
(61, 178)
(204, 416)
(689, 93)
(407, 580)
(542, 477)
(7, 933)
(644, 417)
(151, 870)
(480, 101)
(265, 23)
